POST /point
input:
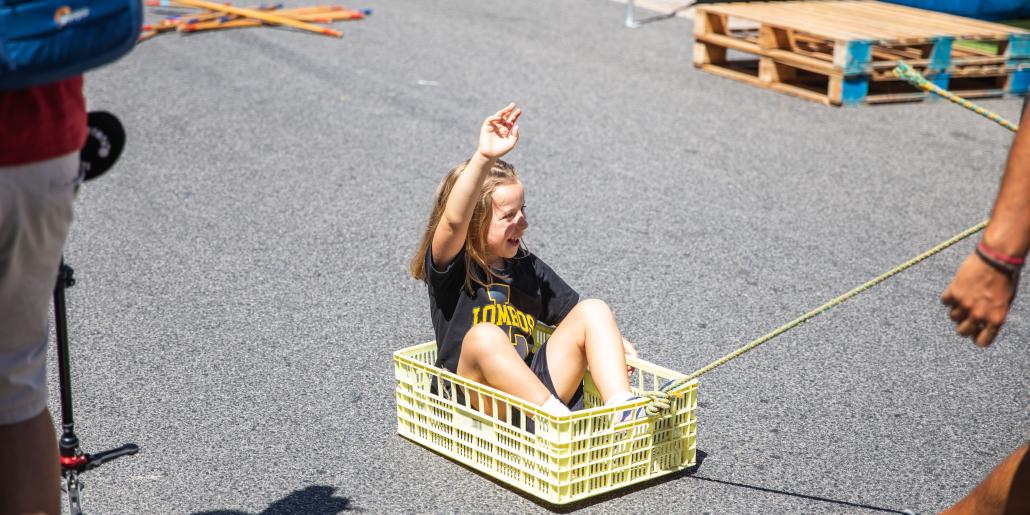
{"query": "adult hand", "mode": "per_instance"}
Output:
(499, 133)
(979, 297)
(630, 350)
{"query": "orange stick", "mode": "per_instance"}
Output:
(216, 25)
(168, 24)
(330, 16)
(261, 15)
(209, 16)
(236, 24)
(176, 22)
(204, 16)
(311, 9)
(289, 12)
(146, 35)
(161, 27)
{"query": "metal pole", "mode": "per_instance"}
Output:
(65, 278)
(630, 21)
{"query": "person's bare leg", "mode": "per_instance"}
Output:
(590, 337)
(1006, 490)
(488, 357)
(30, 476)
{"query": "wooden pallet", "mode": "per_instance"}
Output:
(842, 52)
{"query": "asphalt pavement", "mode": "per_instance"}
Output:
(242, 274)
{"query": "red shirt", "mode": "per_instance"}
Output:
(42, 122)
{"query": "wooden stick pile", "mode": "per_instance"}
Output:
(215, 16)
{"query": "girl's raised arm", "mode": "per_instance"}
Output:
(497, 137)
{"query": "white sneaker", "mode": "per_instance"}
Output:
(629, 415)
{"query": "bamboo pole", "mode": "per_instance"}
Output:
(242, 23)
(236, 23)
(171, 23)
(331, 16)
(146, 35)
(258, 15)
(176, 21)
(295, 10)
(311, 9)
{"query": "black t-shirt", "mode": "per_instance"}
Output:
(527, 290)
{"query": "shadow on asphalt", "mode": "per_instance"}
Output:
(692, 473)
(313, 500)
(586, 503)
(666, 16)
(802, 496)
(684, 7)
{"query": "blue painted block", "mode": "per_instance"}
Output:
(940, 62)
(941, 80)
(854, 89)
(1019, 82)
(855, 86)
(858, 56)
(1019, 46)
(1018, 61)
(940, 56)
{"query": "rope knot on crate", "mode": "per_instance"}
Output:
(660, 402)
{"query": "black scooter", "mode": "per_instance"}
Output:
(104, 145)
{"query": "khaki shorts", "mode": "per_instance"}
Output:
(35, 213)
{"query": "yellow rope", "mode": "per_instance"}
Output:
(659, 399)
(826, 307)
(904, 71)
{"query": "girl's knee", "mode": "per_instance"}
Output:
(484, 336)
(594, 307)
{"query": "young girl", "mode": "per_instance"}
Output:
(486, 291)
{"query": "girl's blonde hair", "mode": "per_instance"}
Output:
(475, 238)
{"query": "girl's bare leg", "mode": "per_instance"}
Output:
(488, 357)
(590, 337)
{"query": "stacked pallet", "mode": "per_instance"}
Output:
(842, 52)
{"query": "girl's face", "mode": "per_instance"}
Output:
(507, 223)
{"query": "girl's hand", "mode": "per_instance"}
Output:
(630, 350)
(499, 133)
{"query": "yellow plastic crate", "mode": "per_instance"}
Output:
(557, 459)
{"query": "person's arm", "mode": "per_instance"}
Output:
(1009, 229)
(497, 137)
(981, 292)
(1005, 491)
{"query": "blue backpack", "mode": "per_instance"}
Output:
(44, 41)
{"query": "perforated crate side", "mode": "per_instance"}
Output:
(566, 458)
